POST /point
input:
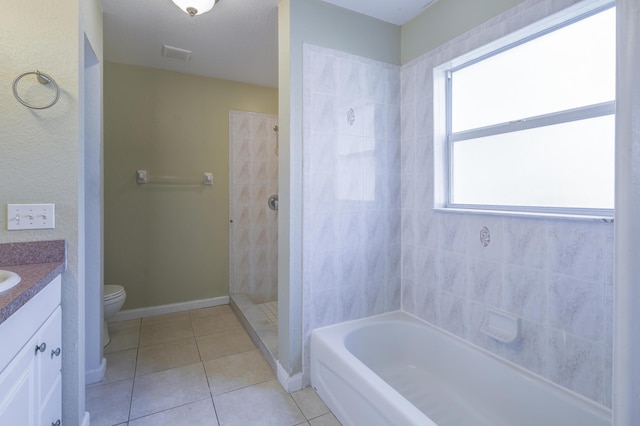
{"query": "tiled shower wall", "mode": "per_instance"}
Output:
(351, 186)
(556, 275)
(253, 227)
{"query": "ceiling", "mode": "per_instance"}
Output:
(237, 40)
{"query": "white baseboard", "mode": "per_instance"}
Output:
(96, 375)
(289, 383)
(169, 309)
(86, 420)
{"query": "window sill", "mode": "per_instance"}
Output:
(522, 214)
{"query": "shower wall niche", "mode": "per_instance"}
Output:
(253, 225)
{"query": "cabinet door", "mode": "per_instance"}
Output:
(49, 359)
(18, 390)
(51, 412)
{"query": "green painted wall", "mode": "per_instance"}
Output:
(444, 20)
(169, 243)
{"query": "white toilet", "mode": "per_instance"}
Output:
(114, 296)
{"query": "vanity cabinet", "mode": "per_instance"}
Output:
(30, 362)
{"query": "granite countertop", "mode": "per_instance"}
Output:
(37, 263)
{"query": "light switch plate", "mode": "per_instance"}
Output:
(30, 216)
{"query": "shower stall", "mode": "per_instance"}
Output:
(253, 226)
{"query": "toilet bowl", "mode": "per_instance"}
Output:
(113, 299)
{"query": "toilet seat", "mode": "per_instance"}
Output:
(112, 301)
(113, 292)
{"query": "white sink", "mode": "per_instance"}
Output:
(8, 280)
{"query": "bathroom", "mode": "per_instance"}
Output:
(39, 180)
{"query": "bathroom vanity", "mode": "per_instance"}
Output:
(31, 341)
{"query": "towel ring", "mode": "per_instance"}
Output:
(42, 79)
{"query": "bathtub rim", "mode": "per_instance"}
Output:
(381, 391)
(340, 330)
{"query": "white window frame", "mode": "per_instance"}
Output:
(443, 115)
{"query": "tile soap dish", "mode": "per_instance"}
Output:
(501, 326)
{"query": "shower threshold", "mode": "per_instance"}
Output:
(261, 323)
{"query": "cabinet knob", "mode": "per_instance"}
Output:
(55, 353)
(41, 347)
(56, 423)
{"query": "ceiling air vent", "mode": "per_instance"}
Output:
(175, 53)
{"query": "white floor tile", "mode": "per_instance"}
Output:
(199, 413)
(237, 371)
(325, 420)
(109, 404)
(166, 331)
(179, 360)
(165, 356)
(120, 366)
(310, 403)
(265, 404)
(123, 339)
(223, 344)
(168, 389)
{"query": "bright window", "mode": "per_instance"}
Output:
(530, 127)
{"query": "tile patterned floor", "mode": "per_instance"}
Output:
(270, 309)
(194, 368)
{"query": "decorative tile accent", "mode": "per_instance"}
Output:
(351, 116)
(485, 236)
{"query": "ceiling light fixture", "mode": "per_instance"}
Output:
(195, 7)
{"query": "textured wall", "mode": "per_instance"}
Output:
(556, 275)
(444, 20)
(40, 150)
(253, 178)
(169, 243)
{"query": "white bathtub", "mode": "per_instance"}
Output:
(394, 369)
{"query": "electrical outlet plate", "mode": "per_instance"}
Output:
(30, 216)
